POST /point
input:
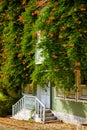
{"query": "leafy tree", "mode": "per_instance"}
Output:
(14, 68)
(11, 36)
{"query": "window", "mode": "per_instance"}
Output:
(71, 94)
(65, 94)
(38, 58)
(83, 92)
(79, 93)
(83, 80)
(59, 92)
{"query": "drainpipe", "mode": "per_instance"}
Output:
(78, 81)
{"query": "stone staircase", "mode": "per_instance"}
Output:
(23, 109)
(49, 116)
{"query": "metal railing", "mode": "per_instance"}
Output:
(40, 109)
(27, 102)
(30, 102)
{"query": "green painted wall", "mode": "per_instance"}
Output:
(71, 107)
(52, 98)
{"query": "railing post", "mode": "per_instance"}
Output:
(24, 102)
(35, 106)
(18, 106)
(12, 110)
(44, 114)
(40, 109)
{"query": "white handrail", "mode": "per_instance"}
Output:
(24, 102)
(27, 102)
(18, 106)
(39, 102)
(40, 109)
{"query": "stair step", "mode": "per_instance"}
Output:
(49, 114)
(50, 118)
(47, 111)
(51, 121)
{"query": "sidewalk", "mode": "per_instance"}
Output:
(12, 124)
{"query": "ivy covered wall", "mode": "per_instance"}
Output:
(63, 31)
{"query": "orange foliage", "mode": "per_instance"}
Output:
(75, 9)
(68, 37)
(48, 21)
(33, 13)
(0, 2)
(60, 36)
(54, 9)
(23, 2)
(78, 64)
(51, 35)
(52, 18)
(37, 12)
(71, 45)
(79, 22)
(55, 3)
(64, 45)
(48, 3)
(65, 53)
(35, 34)
(54, 56)
(0, 23)
(60, 52)
(76, 70)
(83, 9)
(85, 31)
(63, 28)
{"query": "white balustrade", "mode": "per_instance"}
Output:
(27, 102)
(40, 109)
(30, 102)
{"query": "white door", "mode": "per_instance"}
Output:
(45, 95)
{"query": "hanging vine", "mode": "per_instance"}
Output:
(64, 42)
(62, 26)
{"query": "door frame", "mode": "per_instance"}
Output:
(39, 92)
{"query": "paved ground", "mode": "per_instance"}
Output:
(12, 124)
